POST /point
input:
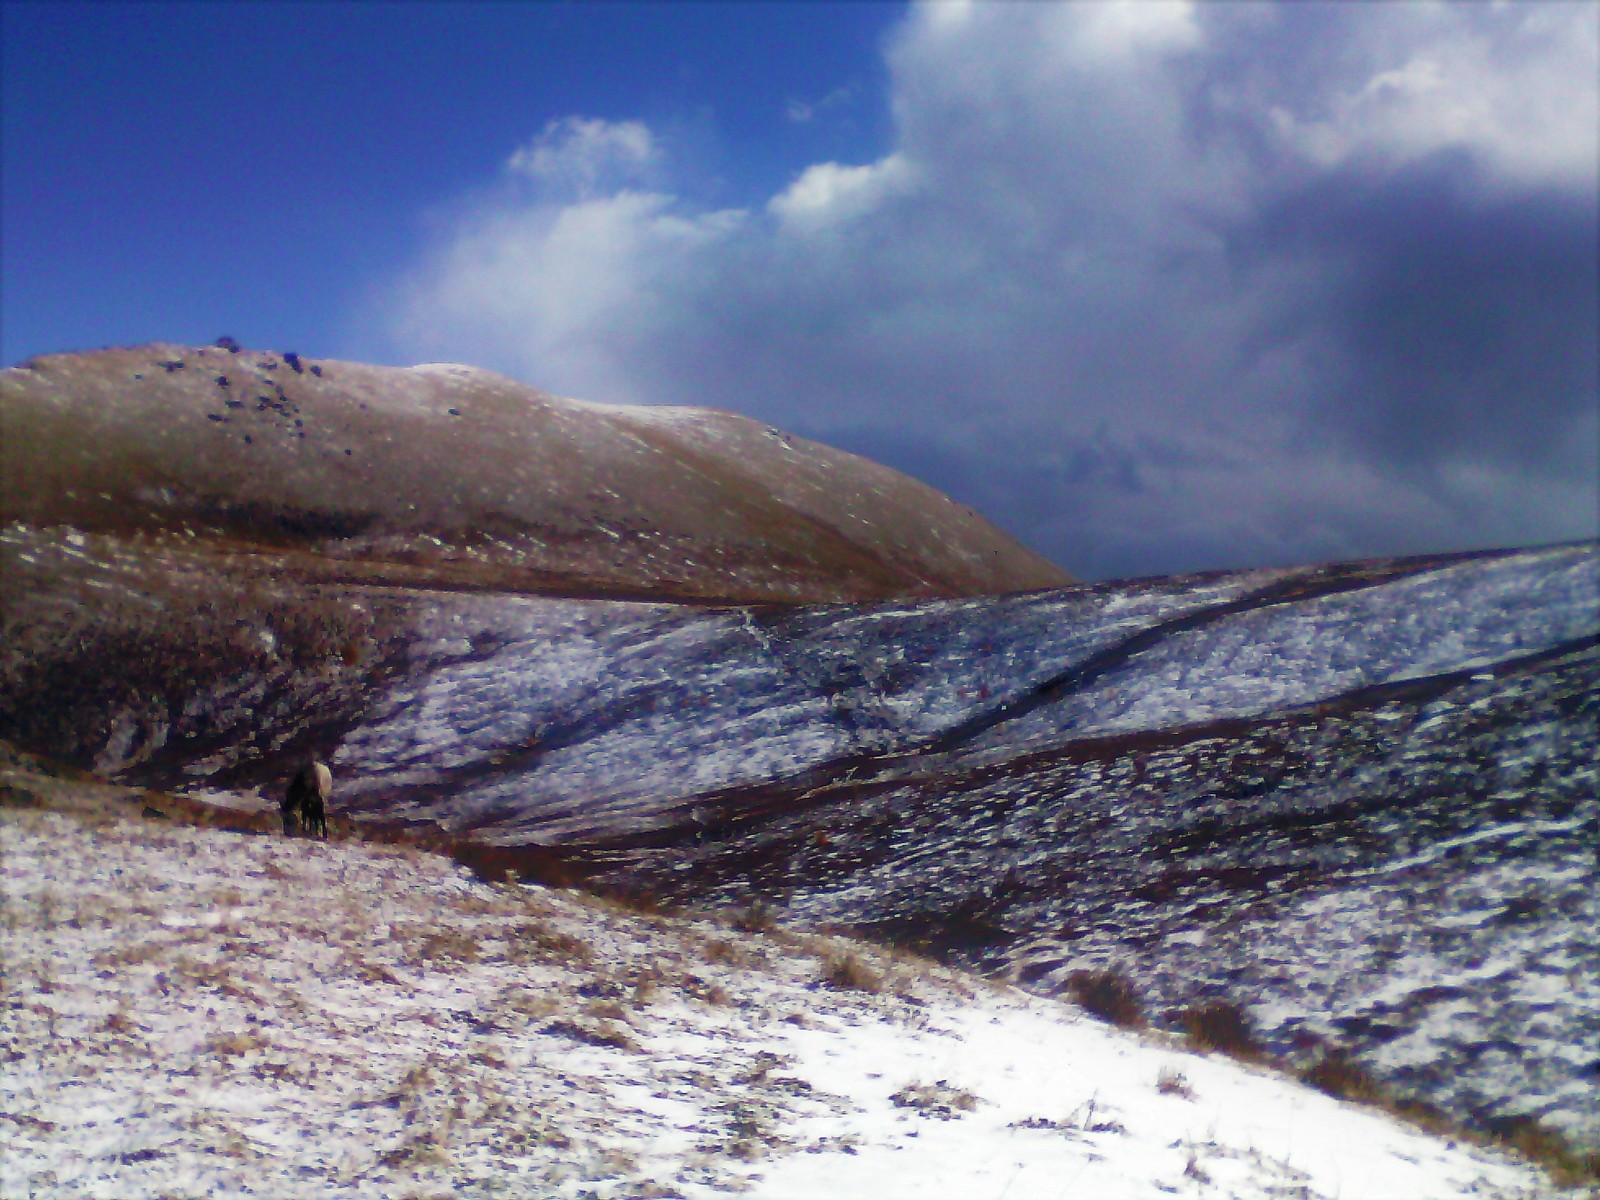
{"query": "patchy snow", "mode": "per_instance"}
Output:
(201, 1013)
(708, 421)
(459, 370)
(1472, 613)
(577, 717)
(608, 710)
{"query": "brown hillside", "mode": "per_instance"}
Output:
(452, 476)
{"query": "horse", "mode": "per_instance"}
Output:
(304, 805)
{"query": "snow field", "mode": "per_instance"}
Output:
(199, 1013)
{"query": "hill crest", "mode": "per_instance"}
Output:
(470, 474)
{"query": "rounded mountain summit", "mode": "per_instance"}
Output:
(454, 477)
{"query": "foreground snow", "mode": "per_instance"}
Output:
(196, 1013)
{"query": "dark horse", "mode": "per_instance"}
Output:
(305, 804)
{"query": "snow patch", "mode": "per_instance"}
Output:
(177, 1027)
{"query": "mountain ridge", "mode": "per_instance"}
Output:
(465, 474)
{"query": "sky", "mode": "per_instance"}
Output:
(1154, 286)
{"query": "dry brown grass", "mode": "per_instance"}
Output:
(844, 970)
(609, 1010)
(534, 940)
(1224, 1027)
(721, 951)
(218, 975)
(705, 990)
(529, 1004)
(593, 1033)
(233, 1042)
(1569, 1167)
(490, 1057)
(1109, 995)
(601, 1007)
(1338, 1075)
(938, 1099)
(448, 946)
(1171, 1082)
(132, 955)
(756, 917)
(646, 984)
(370, 972)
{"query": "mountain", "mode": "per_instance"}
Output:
(1347, 813)
(454, 477)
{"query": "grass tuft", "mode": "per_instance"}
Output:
(1109, 995)
(233, 1043)
(1338, 1075)
(1224, 1027)
(938, 1099)
(844, 971)
(1171, 1082)
(718, 950)
(756, 917)
(534, 941)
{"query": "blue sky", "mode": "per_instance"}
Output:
(172, 170)
(1156, 286)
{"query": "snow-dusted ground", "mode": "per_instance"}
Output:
(540, 720)
(191, 1012)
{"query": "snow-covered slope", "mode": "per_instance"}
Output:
(566, 723)
(194, 1012)
(1358, 802)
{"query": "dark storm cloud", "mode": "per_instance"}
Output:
(1155, 287)
(1452, 321)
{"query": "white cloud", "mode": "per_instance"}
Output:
(1123, 29)
(829, 193)
(526, 287)
(802, 112)
(1140, 280)
(586, 155)
(1516, 84)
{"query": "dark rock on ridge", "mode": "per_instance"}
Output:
(470, 479)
